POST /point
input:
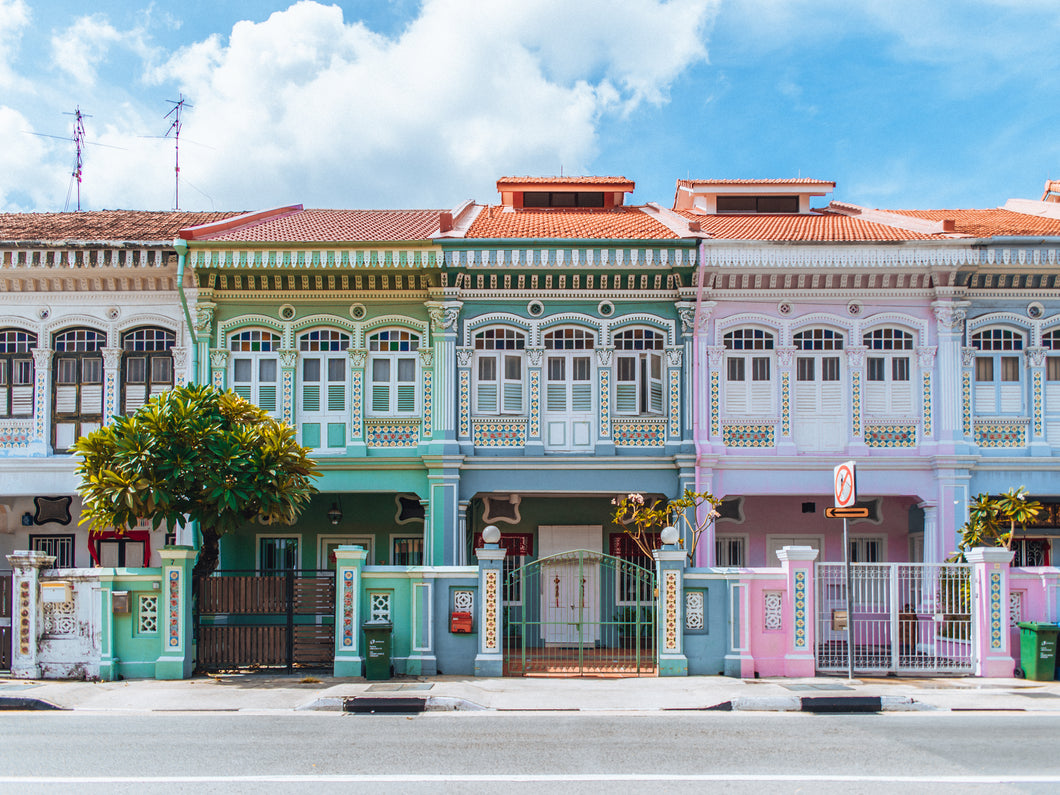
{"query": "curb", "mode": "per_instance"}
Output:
(822, 704)
(23, 703)
(392, 704)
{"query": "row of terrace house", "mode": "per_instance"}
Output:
(519, 364)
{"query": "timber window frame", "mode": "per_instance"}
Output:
(499, 371)
(77, 400)
(998, 371)
(17, 373)
(639, 372)
(749, 368)
(888, 378)
(323, 389)
(393, 373)
(146, 365)
(254, 367)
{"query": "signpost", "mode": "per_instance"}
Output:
(846, 495)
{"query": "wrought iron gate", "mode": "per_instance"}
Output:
(580, 613)
(6, 600)
(286, 619)
(906, 618)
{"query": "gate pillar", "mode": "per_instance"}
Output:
(176, 660)
(990, 569)
(26, 611)
(799, 610)
(349, 560)
(490, 658)
(670, 562)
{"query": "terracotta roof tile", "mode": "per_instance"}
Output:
(128, 225)
(796, 181)
(820, 227)
(328, 226)
(619, 223)
(990, 222)
(587, 180)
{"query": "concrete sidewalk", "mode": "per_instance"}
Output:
(267, 692)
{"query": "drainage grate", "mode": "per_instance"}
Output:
(391, 705)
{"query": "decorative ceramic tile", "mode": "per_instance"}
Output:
(1037, 402)
(927, 405)
(510, 433)
(890, 435)
(428, 402)
(605, 403)
(670, 640)
(15, 434)
(763, 435)
(855, 400)
(995, 611)
(801, 640)
(997, 433)
(639, 433)
(491, 634)
(287, 396)
(675, 403)
(465, 404)
(535, 404)
(966, 403)
(391, 433)
(785, 404)
(173, 595)
(715, 401)
(349, 608)
(356, 404)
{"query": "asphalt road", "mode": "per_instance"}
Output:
(480, 752)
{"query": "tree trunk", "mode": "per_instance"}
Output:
(209, 554)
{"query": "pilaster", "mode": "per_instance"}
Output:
(490, 658)
(288, 363)
(40, 443)
(856, 368)
(990, 571)
(111, 380)
(219, 367)
(953, 376)
(349, 563)
(444, 317)
(670, 564)
(358, 361)
(797, 563)
(605, 374)
(785, 361)
(26, 618)
(534, 443)
(178, 657)
(1039, 445)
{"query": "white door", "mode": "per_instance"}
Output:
(568, 410)
(820, 417)
(570, 607)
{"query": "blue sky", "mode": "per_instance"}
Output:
(425, 104)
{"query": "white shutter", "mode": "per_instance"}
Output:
(805, 397)
(92, 399)
(135, 396)
(406, 398)
(512, 397)
(582, 397)
(1011, 398)
(736, 397)
(3, 402)
(902, 398)
(876, 398)
(311, 397)
(486, 398)
(655, 383)
(556, 397)
(985, 398)
(626, 391)
(267, 397)
(22, 400)
(381, 398)
(337, 397)
(243, 390)
(832, 398)
(1052, 397)
(761, 397)
(66, 399)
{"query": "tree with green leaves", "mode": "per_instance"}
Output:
(198, 454)
(643, 520)
(992, 520)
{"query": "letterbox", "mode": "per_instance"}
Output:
(460, 621)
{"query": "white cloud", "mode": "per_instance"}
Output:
(83, 46)
(32, 167)
(471, 90)
(14, 17)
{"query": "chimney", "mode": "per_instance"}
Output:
(445, 222)
(949, 225)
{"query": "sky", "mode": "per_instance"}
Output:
(399, 103)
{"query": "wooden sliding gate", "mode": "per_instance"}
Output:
(249, 620)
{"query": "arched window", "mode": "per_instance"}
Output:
(147, 365)
(888, 390)
(568, 414)
(322, 405)
(394, 372)
(16, 373)
(638, 372)
(998, 371)
(499, 371)
(821, 418)
(748, 371)
(78, 400)
(254, 367)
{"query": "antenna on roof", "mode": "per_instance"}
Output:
(80, 143)
(178, 106)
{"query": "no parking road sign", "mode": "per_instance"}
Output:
(846, 491)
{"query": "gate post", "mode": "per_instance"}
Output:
(349, 560)
(26, 611)
(799, 610)
(990, 570)
(490, 658)
(176, 660)
(670, 562)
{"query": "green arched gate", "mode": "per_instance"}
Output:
(580, 613)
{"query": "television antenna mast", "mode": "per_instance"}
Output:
(80, 143)
(174, 127)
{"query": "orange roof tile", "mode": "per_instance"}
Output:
(619, 223)
(100, 225)
(330, 226)
(820, 227)
(586, 180)
(990, 222)
(796, 181)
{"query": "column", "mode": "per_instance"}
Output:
(111, 382)
(358, 361)
(534, 357)
(926, 360)
(349, 561)
(201, 333)
(490, 658)
(605, 374)
(1037, 442)
(177, 659)
(676, 430)
(990, 569)
(444, 316)
(26, 619)
(464, 358)
(670, 561)
(716, 359)
(785, 360)
(953, 391)
(218, 367)
(288, 363)
(856, 368)
(428, 397)
(797, 563)
(40, 438)
(441, 507)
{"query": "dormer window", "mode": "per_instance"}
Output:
(563, 199)
(758, 204)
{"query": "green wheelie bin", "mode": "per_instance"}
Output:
(1038, 650)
